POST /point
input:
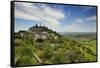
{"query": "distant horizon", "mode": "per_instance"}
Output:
(64, 32)
(61, 32)
(59, 18)
(56, 31)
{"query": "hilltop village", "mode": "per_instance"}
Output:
(39, 33)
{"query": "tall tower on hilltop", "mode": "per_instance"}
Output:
(36, 25)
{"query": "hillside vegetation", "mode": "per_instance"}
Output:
(53, 51)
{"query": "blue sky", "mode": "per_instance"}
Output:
(60, 18)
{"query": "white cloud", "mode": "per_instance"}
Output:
(49, 16)
(92, 18)
(38, 12)
(79, 20)
(80, 25)
(74, 27)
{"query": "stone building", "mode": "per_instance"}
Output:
(39, 32)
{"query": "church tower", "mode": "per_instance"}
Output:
(36, 25)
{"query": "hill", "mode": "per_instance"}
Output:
(40, 45)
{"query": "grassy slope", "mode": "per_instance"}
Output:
(68, 50)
